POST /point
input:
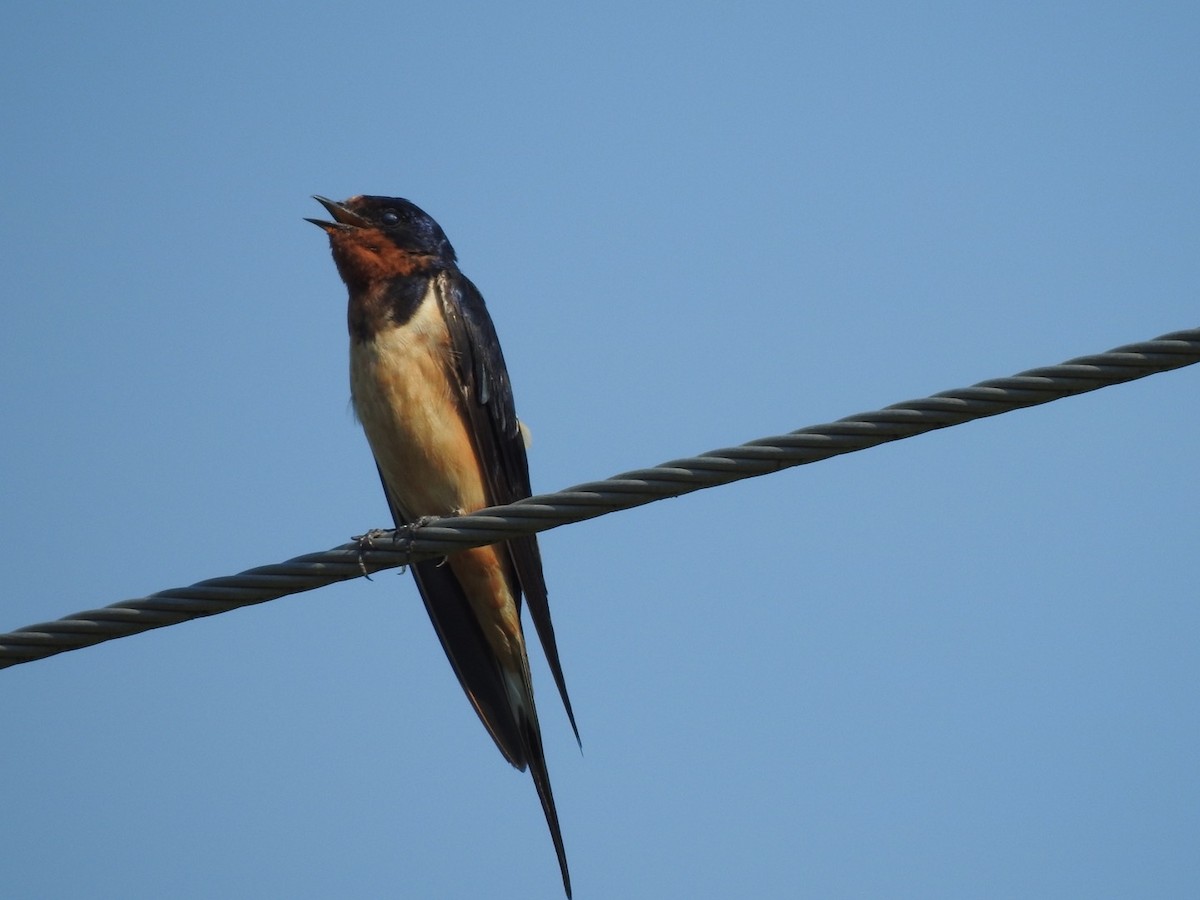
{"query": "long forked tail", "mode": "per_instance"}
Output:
(503, 699)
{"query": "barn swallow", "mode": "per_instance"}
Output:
(430, 388)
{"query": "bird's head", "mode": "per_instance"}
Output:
(383, 238)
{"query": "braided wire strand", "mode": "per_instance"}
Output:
(437, 537)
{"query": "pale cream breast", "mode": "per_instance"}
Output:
(408, 404)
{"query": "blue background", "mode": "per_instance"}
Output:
(964, 665)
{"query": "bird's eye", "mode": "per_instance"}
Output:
(390, 217)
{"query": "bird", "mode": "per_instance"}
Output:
(430, 388)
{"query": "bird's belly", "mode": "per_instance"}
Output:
(409, 407)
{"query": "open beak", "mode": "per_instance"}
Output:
(343, 217)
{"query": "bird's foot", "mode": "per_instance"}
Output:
(366, 542)
(405, 535)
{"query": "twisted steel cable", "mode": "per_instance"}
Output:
(437, 537)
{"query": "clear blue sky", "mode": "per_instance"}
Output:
(965, 665)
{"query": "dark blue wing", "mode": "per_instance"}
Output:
(488, 399)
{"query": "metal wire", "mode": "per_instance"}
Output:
(437, 537)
